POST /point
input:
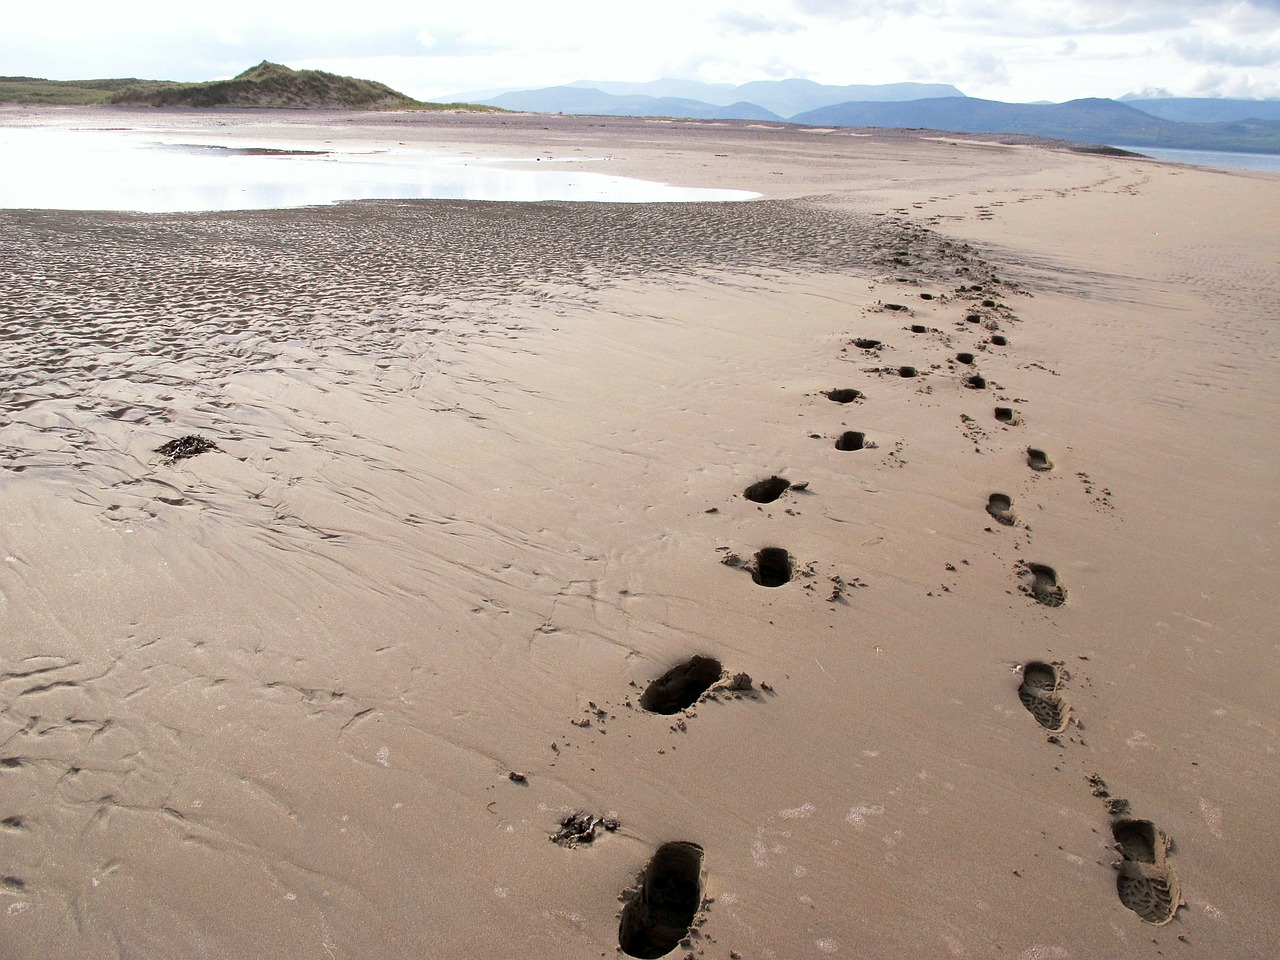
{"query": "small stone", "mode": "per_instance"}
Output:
(517, 777)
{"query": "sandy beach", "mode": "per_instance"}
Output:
(329, 689)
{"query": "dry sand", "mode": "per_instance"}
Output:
(478, 469)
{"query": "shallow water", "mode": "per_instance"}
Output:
(1213, 158)
(129, 170)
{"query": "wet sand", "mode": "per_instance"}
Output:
(479, 481)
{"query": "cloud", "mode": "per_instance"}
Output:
(1221, 83)
(857, 9)
(1199, 50)
(745, 23)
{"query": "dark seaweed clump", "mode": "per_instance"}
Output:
(191, 445)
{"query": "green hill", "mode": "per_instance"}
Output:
(266, 85)
(271, 85)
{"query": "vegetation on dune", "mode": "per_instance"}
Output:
(266, 85)
(36, 90)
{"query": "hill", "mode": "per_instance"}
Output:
(587, 100)
(271, 85)
(1208, 109)
(37, 90)
(782, 97)
(1089, 121)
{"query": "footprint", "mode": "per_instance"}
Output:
(1038, 460)
(1006, 415)
(1042, 583)
(976, 382)
(1147, 882)
(767, 491)
(999, 340)
(907, 371)
(681, 686)
(772, 567)
(851, 440)
(663, 909)
(1039, 694)
(919, 328)
(964, 358)
(845, 395)
(866, 343)
(1000, 506)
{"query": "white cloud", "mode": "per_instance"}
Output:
(1003, 49)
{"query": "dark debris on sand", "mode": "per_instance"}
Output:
(192, 445)
(581, 827)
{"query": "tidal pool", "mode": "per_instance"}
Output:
(60, 169)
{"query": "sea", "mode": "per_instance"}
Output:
(1211, 158)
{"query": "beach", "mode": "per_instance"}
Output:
(329, 689)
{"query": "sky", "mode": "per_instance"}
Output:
(1015, 50)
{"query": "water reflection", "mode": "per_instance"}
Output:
(117, 170)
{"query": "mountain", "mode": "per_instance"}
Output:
(1090, 120)
(271, 85)
(588, 100)
(783, 97)
(1207, 109)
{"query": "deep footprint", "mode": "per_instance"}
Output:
(1038, 460)
(1006, 415)
(681, 686)
(964, 358)
(976, 382)
(1039, 694)
(772, 567)
(1147, 883)
(845, 395)
(767, 491)
(906, 371)
(1000, 506)
(660, 916)
(1043, 585)
(851, 440)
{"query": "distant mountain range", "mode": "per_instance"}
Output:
(1205, 124)
(760, 100)
(1090, 121)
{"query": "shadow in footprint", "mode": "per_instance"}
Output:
(1042, 583)
(1147, 883)
(767, 491)
(1000, 506)
(681, 686)
(866, 343)
(999, 340)
(772, 567)
(845, 395)
(1006, 415)
(976, 382)
(907, 371)
(964, 358)
(1038, 460)
(661, 913)
(1039, 694)
(851, 440)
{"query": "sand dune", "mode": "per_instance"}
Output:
(481, 478)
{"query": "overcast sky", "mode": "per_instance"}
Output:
(1021, 50)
